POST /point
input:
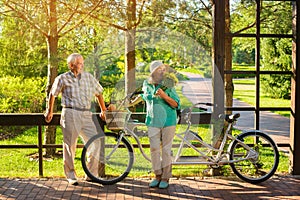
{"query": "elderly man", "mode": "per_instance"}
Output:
(78, 89)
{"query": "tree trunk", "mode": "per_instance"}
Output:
(228, 59)
(96, 58)
(130, 47)
(130, 61)
(52, 45)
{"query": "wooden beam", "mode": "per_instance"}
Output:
(38, 119)
(27, 119)
(295, 94)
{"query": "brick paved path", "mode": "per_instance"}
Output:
(284, 187)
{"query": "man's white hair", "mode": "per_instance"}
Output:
(72, 58)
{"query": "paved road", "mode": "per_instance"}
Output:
(199, 89)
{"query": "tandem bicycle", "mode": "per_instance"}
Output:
(252, 155)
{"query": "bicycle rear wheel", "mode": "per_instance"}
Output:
(114, 158)
(260, 164)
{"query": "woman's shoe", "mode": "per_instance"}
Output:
(154, 183)
(163, 185)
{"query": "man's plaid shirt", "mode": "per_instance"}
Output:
(76, 91)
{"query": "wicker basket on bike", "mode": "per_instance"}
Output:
(115, 120)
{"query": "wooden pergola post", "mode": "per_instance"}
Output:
(218, 62)
(295, 94)
(218, 58)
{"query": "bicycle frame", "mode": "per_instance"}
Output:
(216, 160)
(252, 155)
(253, 165)
(211, 160)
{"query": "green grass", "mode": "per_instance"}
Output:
(19, 163)
(23, 163)
(243, 67)
(193, 70)
(244, 90)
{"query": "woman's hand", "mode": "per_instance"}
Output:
(160, 93)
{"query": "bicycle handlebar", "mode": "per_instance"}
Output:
(135, 93)
(202, 103)
(187, 112)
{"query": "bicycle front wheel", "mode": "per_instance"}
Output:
(259, 163)
(107, 160)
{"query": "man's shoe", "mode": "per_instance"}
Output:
(154, 183)
(72, 181)
(163, 185)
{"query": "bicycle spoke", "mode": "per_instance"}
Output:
(115, 159)
(258, 164)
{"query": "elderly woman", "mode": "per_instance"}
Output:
(162, 102)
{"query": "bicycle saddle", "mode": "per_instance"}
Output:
(230, 118)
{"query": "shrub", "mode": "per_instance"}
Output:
(22, 95)
(276, 56)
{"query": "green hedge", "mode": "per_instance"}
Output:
(22, 95)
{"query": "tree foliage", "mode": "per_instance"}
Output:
(177, 32)
(277, 52)
(23, 51)
(275, 18)
(277, 57)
